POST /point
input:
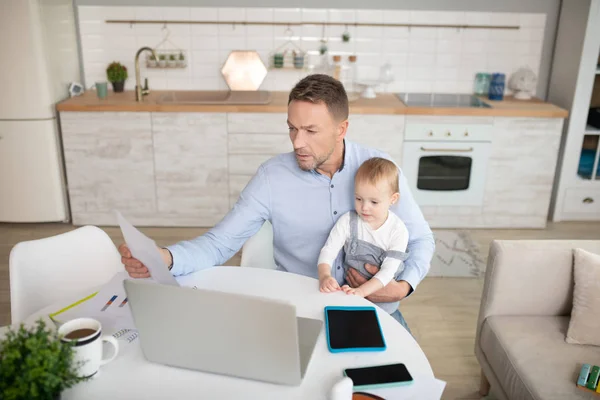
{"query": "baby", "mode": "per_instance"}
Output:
(371, 234)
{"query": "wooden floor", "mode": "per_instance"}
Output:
(442, 313)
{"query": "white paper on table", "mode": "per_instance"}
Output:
(422, 388)
(144, 249)
(110, 308)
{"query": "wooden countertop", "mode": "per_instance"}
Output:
(384, 103)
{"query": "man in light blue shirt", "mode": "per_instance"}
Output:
(302, 194)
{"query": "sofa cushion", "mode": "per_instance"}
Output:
(584, 327)
(531, 359)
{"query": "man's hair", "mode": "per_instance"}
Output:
(376, 169)
(320, 88)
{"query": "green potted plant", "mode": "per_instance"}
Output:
(116, 74)
(162, 60)
(181, 60)
(152, 61)
(172, 60)
(35, 364)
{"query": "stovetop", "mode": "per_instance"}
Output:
(441, 100)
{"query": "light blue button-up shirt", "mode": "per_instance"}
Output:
(302, 206)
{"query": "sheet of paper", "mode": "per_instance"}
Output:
(144, 249)
(421, 389)
(109, 306)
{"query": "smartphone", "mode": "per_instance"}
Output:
(379, 376)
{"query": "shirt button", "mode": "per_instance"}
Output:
(332, 186)
(335, 213)
(339, 267)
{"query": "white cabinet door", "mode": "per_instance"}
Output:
(382, 132)
(190, 152)
(521, 171)
(110, 165)
(253, 138)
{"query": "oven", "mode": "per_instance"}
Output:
(446, 164)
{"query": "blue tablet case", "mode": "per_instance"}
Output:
(350, 349)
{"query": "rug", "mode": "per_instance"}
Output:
(456, 255)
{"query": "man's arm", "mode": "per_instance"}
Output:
(219, 244)
(421, 244)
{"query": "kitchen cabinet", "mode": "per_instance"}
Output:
(252, 139)
(190, 166)
(109, 161)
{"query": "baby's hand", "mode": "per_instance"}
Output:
(348, 290)
(329, 284)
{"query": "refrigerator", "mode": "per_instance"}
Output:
(38, 49)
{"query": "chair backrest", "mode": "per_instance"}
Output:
(257, 252)
(47, 270)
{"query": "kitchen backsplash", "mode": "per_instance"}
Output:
(423, 59)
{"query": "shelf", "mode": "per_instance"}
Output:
(591, 130)
(165, 22)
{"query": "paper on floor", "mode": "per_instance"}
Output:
(144, 249)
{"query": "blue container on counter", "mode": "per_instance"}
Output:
(496, 91)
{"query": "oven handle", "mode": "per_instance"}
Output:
(449, 150)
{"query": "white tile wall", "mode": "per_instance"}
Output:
(423, 59)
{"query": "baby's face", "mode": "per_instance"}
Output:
(372, 202)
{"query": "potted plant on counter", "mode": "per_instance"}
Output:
(116, 74)
(181, 61)
(172, 61)
(162, 60)
(35, 364)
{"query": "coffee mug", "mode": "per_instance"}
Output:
(85, 334)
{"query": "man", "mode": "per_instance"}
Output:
(303, 193)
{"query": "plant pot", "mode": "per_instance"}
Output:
(181, 63)
(118, 86)
(152, 63)
(162, 63)
(172, 63)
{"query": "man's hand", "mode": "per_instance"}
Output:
(393, 291)
(134, 267)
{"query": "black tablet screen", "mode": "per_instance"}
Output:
(354, 329)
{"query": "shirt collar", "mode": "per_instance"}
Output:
(314, 171)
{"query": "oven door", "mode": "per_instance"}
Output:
(446, 173)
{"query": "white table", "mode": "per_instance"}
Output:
(130, 376)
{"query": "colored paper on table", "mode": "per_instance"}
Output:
(144, 249)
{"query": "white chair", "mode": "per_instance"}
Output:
(257, 252)
(47, 270)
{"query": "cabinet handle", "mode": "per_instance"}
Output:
(588, 200)
(466, 133)
(448, 133)
(448, 150)
(430, 133)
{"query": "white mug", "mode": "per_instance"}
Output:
(87, 340)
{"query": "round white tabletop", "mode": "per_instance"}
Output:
(131, 376)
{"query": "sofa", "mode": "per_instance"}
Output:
(523, 320)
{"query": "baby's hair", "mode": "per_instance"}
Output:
(375, 169)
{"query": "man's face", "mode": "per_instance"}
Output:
(314, 133)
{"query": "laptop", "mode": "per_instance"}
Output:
(223, 333)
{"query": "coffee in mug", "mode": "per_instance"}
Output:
(85, 334)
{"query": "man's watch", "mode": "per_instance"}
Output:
(172, 261)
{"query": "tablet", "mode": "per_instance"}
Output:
(353, 329)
